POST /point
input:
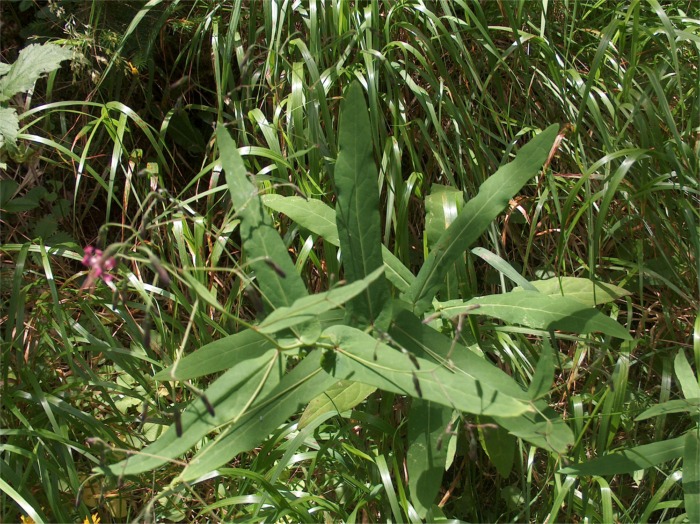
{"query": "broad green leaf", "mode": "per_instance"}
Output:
(544, 428)
(427, 424)
(230, 395)
(424, 342)
(544, 372)
(341, 396)
(311, 214)
(535, 310)
(308, 308)
(630, 460)
(477, 214)
(357, 210)
(589, 292)
(218, 356)
(9, 127)
(33, 61)
(691, 475)
(273, 408)
(226, 352)
(499, 446)
(318, 218)
(686, 377)
(277, 277)
(361, 358)
(683, 405)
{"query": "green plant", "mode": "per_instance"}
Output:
(34, 61)
(380, 342)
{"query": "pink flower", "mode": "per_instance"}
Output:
(100, 266)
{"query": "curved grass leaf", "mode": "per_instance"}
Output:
(341, 396)
(319, 218)
(276, 275)
(539, 311)
(630, 460)
(425, 460)
(477, 214)
(500, 265)
(589, 292)
(357, 210)
(683, 405)
(230, 395)
(360, 357)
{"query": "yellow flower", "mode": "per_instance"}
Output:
(26, 520)
(94, 519)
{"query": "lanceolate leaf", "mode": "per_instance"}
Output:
(585, 290)
(308, 308)
(311, 214)
(425, 460)
(477, 214)
(274, 407)
(360, 357)
(535, 310)
(230, 395)
(318, 218)
(276, 275)
(682, 405)
(222, 354)
(357, 210)
(342, 396)
(218, 356)
(544, 428)
(630, 460)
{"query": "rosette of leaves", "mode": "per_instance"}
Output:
(372, 333)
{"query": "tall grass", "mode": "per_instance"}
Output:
(122, 157)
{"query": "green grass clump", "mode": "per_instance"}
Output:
(120, 152)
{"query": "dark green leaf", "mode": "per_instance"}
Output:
(427, 424)
(261, 242)
(357, 210)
